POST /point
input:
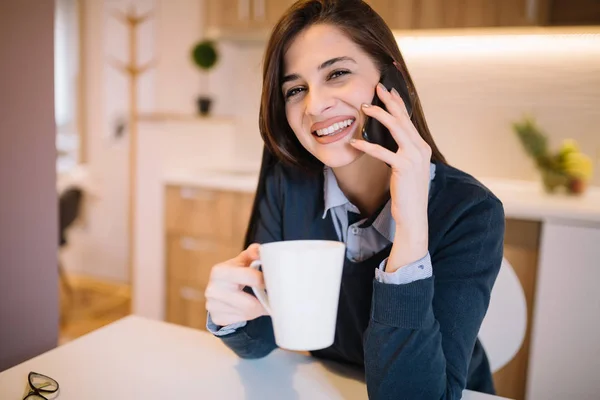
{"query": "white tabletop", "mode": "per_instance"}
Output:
(137, 358)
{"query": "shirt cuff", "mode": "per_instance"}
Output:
(420, 269)
(222, 330)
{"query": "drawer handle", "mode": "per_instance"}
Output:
(189, 293)
(531, 10)
(190, 193)
(243, 9)
(192, 244)
(259, 9)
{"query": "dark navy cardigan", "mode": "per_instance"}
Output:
(414, 341)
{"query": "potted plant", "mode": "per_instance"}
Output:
(568, 167)
(205, 56)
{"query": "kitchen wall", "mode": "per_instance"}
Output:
(472, 88)
(28, 200)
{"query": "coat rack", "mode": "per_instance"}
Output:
(131, 69)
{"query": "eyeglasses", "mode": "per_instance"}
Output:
(40, 385)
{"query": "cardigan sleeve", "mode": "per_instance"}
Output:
(421, 335)
(255, 338)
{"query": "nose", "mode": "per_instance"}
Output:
(318, 101)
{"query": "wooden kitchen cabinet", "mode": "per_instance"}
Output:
(203, 227)
(229, 14)
(573, 12)
(242, 17)
(186, 305)
(397, 14)
(272, 10)
(198, 212)
(190, 258)
(521, 250)
(249, 18)
(439, 14)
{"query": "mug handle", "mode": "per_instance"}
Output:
(260, 294)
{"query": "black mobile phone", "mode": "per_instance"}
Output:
(374, 131)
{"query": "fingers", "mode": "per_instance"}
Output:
(393, 102)
(397, 121)
(227, 300)
(237, 275)
(390, 122)
(379, 152)
(217, 307)
(411, 133)
(224, 319)
(228, 306)
(248, 255)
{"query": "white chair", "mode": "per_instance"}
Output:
(503, 328)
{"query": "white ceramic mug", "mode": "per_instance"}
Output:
(303, 279)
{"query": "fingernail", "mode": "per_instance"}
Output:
(395, 92)
(365, 105)
(382, 87)
(352, 140)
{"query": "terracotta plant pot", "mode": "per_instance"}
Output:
(577, 186)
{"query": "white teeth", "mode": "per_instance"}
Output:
(334, 128)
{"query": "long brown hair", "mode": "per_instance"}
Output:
(363, 26)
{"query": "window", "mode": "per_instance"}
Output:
(66, 71)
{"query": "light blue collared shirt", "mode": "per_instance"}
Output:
(361, 242)
(364, 242)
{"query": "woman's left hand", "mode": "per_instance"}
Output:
(409, 185)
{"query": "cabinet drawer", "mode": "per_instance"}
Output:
(199, 212)
(190, 259)
(186, 305)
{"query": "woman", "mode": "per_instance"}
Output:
(424, 240)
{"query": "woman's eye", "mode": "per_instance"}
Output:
(338, 73)
(292, 92)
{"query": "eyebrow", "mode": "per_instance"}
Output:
(326, 64)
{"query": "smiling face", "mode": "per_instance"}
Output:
(326, 79)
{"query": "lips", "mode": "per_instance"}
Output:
(338, 133)
(329, 122)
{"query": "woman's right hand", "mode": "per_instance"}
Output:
(226, 302)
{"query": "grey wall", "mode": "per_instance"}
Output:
(28, 204)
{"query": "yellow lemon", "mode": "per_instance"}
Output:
(578, 165)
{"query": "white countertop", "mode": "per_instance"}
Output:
(239, 180)
(528, 200)
(138, 358)
(521, 199)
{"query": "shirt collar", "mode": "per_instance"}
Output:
(334, 197)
